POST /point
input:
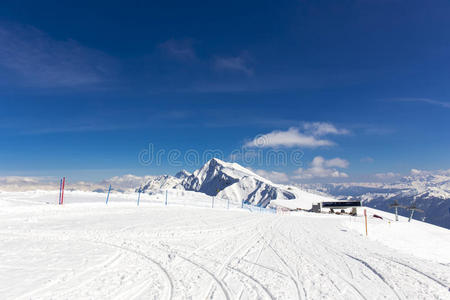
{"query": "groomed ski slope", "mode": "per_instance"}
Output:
(85, 249)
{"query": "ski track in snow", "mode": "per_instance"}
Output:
(89, 250)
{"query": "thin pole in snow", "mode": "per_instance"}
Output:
(242, 203)
(60, 189)
(228, 203)
(107, 197)
(212, 202)
(139, 197)
(365, 216)
(166, 199)
(62, 193)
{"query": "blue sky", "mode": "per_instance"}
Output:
(360, 88)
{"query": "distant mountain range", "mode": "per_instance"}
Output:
(427, 190)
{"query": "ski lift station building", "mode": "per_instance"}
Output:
(339, 205)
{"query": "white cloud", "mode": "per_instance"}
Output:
(322, 168)
(337, 162)
(277, 177)
(126, 181)
(19, 180)
(236, 63)
(388, 175)
(290, 138)
(323, 128)
(432, 173)
(416, 172)
(311, 135)
(24, 183)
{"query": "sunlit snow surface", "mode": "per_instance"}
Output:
(187, 249)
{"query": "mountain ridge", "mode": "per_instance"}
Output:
(428, 190)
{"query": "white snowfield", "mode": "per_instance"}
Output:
(85, 249)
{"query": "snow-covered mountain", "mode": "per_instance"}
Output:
(182, 174)
(224, 180)
(428, 190)
(163, 182)
(125, 183)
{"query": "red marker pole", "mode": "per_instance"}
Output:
(62, 193)
(365, 216)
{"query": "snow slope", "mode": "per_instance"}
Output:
(86, 249)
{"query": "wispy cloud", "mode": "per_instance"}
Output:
(181, 49)
(367, 159)
(40, 60)
(24, 183)
(311, 135)
(387, 176)
(323, 128)
(378, 130)
(424, 100)
(19, 180)
(29, 183)
(322, 168)
(99, 122)
(239, 63)
(415, 172)
(290, 138)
